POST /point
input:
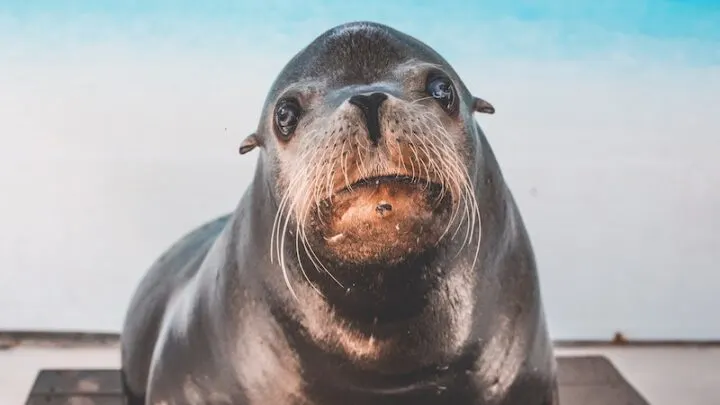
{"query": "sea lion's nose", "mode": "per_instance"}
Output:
(369, 104)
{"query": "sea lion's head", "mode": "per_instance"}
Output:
(373, 148)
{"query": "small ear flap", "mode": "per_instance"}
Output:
(482, 106)
(248, 144)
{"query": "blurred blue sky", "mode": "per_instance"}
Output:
(686, 31)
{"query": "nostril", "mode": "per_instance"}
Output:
(379, 97)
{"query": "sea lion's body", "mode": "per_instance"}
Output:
(397, 312)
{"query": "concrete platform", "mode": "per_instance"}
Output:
(664, 376)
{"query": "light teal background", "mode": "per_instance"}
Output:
(120, 123)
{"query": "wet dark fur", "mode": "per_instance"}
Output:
(192, 350)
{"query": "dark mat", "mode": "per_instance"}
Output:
(593, 380)
(583, 381)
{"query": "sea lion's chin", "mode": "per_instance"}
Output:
(384, 220)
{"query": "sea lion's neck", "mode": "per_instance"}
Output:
(428, 320)
(406, 363)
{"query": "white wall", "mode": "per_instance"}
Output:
(109, 154)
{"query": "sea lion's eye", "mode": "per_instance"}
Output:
(287, 115)
(441, 89)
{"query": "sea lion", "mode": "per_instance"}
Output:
(377, 257)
